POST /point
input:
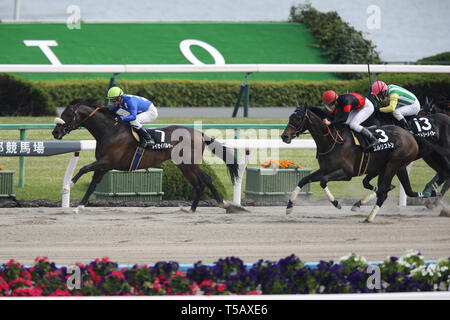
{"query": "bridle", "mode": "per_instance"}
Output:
(299, 129)
(73, 125)
(337, 138)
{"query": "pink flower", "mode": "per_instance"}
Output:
(11, 262)
(39, 259)
(205, 283)
(117, 274)
(60, 292)
(27, 292)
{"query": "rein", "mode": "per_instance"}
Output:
(74, 125)
(335, 139)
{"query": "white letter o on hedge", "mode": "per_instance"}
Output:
(185, 47)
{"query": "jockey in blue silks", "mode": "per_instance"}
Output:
(135, 110)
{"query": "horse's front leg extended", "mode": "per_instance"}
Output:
(315, 176)
(338, 175)
(96, 178)
(94, 166)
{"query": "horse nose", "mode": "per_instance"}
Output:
(56, 135)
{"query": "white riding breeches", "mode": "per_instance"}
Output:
(358, 116)
(144, 117)
(409, 110)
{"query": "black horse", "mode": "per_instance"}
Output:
(429, 108)
(432, 133)
(340, 158)
(116, 148)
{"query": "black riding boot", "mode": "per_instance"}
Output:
(405, 125)
(372, 140)
(146, 138)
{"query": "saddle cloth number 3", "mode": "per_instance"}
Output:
(383, 137)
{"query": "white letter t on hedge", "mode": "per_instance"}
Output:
(44, 46)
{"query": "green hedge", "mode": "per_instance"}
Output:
(191, 93)
(21, 97)
(177, 187)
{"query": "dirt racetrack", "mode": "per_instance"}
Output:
(152, 234)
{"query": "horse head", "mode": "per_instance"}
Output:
(297, 123)
(72, 117)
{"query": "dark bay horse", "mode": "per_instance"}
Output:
(430, 108)
(435, 150)
(340, 158)
(116, 147)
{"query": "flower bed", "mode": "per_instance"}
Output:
(289, 275)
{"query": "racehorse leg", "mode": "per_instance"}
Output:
(402, 175)
(434, 185)
(192, 174)
(338, 175)
(94, 166)
(315, 176)
(384, 181)
(96, 178)
(369, 197)
(367, 185)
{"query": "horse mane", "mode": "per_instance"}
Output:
(90, 102)
(93, 103)
(322, 113)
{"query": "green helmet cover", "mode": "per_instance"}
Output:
(115, 92)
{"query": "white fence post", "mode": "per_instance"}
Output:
(238, 182)
(402, 197)
(65, 202)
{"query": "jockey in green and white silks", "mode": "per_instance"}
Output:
(401, 101)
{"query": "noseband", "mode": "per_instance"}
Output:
(73, 125)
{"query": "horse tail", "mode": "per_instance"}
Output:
(224, 153)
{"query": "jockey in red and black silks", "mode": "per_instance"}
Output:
(351, 109)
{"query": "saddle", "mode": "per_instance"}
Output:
(161, 137)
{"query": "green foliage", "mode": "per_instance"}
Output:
(203, 93)
(441, 57)
(21, 97)
(177, 187)
(339, 42)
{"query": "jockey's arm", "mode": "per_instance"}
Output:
(340, 116)
(114, 108)
(132, 108)
(393, 100)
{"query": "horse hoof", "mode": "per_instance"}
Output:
(289, 210)
(336, 204)
(235, 208)
(366, 220)
(182, 209)
(355, 208)
(77, 209)
(71, 184)
(224, 205)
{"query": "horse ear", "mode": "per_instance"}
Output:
(296, 105)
